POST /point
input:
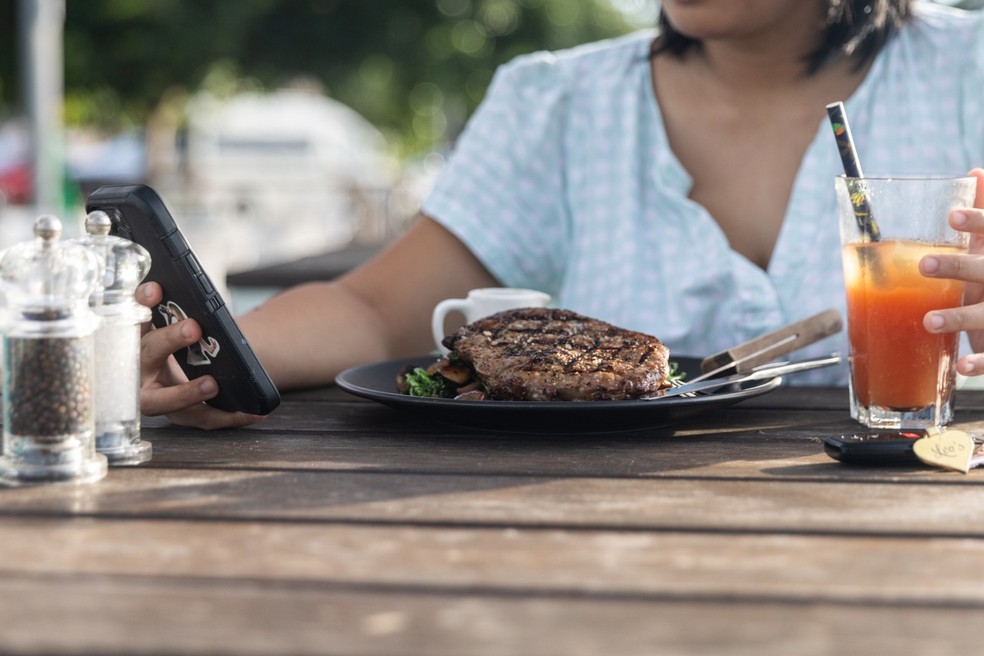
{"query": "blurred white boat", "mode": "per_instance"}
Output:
(284, 174)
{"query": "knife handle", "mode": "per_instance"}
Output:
(806, 332)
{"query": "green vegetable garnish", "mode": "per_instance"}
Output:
(420, 383)
(675, 374)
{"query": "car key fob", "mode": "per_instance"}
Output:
(883, 448)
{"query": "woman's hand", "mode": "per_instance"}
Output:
(969, 268)
(164, 387)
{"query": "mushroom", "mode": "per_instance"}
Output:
(456, 373)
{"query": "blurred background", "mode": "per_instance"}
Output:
(274, 129)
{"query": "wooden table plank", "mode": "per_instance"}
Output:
(179, 617)
(798, 411)
(723, 505)
(742, 441)
(925, 571)
(781, 452)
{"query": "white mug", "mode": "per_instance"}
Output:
(481, 303)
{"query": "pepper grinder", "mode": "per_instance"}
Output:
(125, 264)
(48, 349)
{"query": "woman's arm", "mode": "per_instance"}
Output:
(308, 334)
(381, 310)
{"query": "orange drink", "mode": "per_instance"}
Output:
(896, 363)
(901, 375)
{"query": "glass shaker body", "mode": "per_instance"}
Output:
(48, 373)
(117, 343)
(117, 384)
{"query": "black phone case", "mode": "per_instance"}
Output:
(872, 449)
(139, 214)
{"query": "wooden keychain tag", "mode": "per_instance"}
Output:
(952, 449)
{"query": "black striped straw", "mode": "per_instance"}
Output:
(852, 167)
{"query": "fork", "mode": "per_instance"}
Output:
(676, 382)
(765, 371)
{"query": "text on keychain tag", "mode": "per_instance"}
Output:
(953, 449)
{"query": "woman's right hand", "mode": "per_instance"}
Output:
(164, 387)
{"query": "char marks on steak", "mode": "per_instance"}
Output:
(546, 354)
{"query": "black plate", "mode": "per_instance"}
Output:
(378, 382)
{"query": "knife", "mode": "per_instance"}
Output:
(765, 348)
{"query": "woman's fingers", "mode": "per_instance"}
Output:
(159, 400)
(969, 268)
(970, 220)
(184, 404)
(979, 174)
(177, 402)
(165, 389)
(149, 294)
(971, 365)
(157, 345)
(968, 317)
(209, 418)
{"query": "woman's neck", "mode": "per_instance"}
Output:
(727, 73)
(745, 71)
(767, 58)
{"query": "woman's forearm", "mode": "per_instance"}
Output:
(308, 334)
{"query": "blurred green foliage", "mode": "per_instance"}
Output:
(415, 68)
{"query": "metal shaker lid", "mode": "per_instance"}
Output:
(46, 278)
(125, 264)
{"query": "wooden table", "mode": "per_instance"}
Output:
(341, 526)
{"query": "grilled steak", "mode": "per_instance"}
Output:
(542, 354)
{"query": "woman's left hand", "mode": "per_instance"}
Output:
(969, 268)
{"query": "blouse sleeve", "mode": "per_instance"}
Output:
(502, 191)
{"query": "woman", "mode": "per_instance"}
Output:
(682, 187)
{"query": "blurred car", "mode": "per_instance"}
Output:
(91, 159)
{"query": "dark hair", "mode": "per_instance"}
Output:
(853, 27)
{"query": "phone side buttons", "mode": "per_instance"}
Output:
(212, 298)
(176, 245)
(205, 284)
(193, 265)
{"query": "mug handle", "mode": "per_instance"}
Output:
(441, 310)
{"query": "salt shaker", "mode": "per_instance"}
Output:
(48, 349)
(125, 264)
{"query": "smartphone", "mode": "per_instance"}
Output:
(874, 448)
(138, 214)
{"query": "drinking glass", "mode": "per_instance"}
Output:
(901, 375)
